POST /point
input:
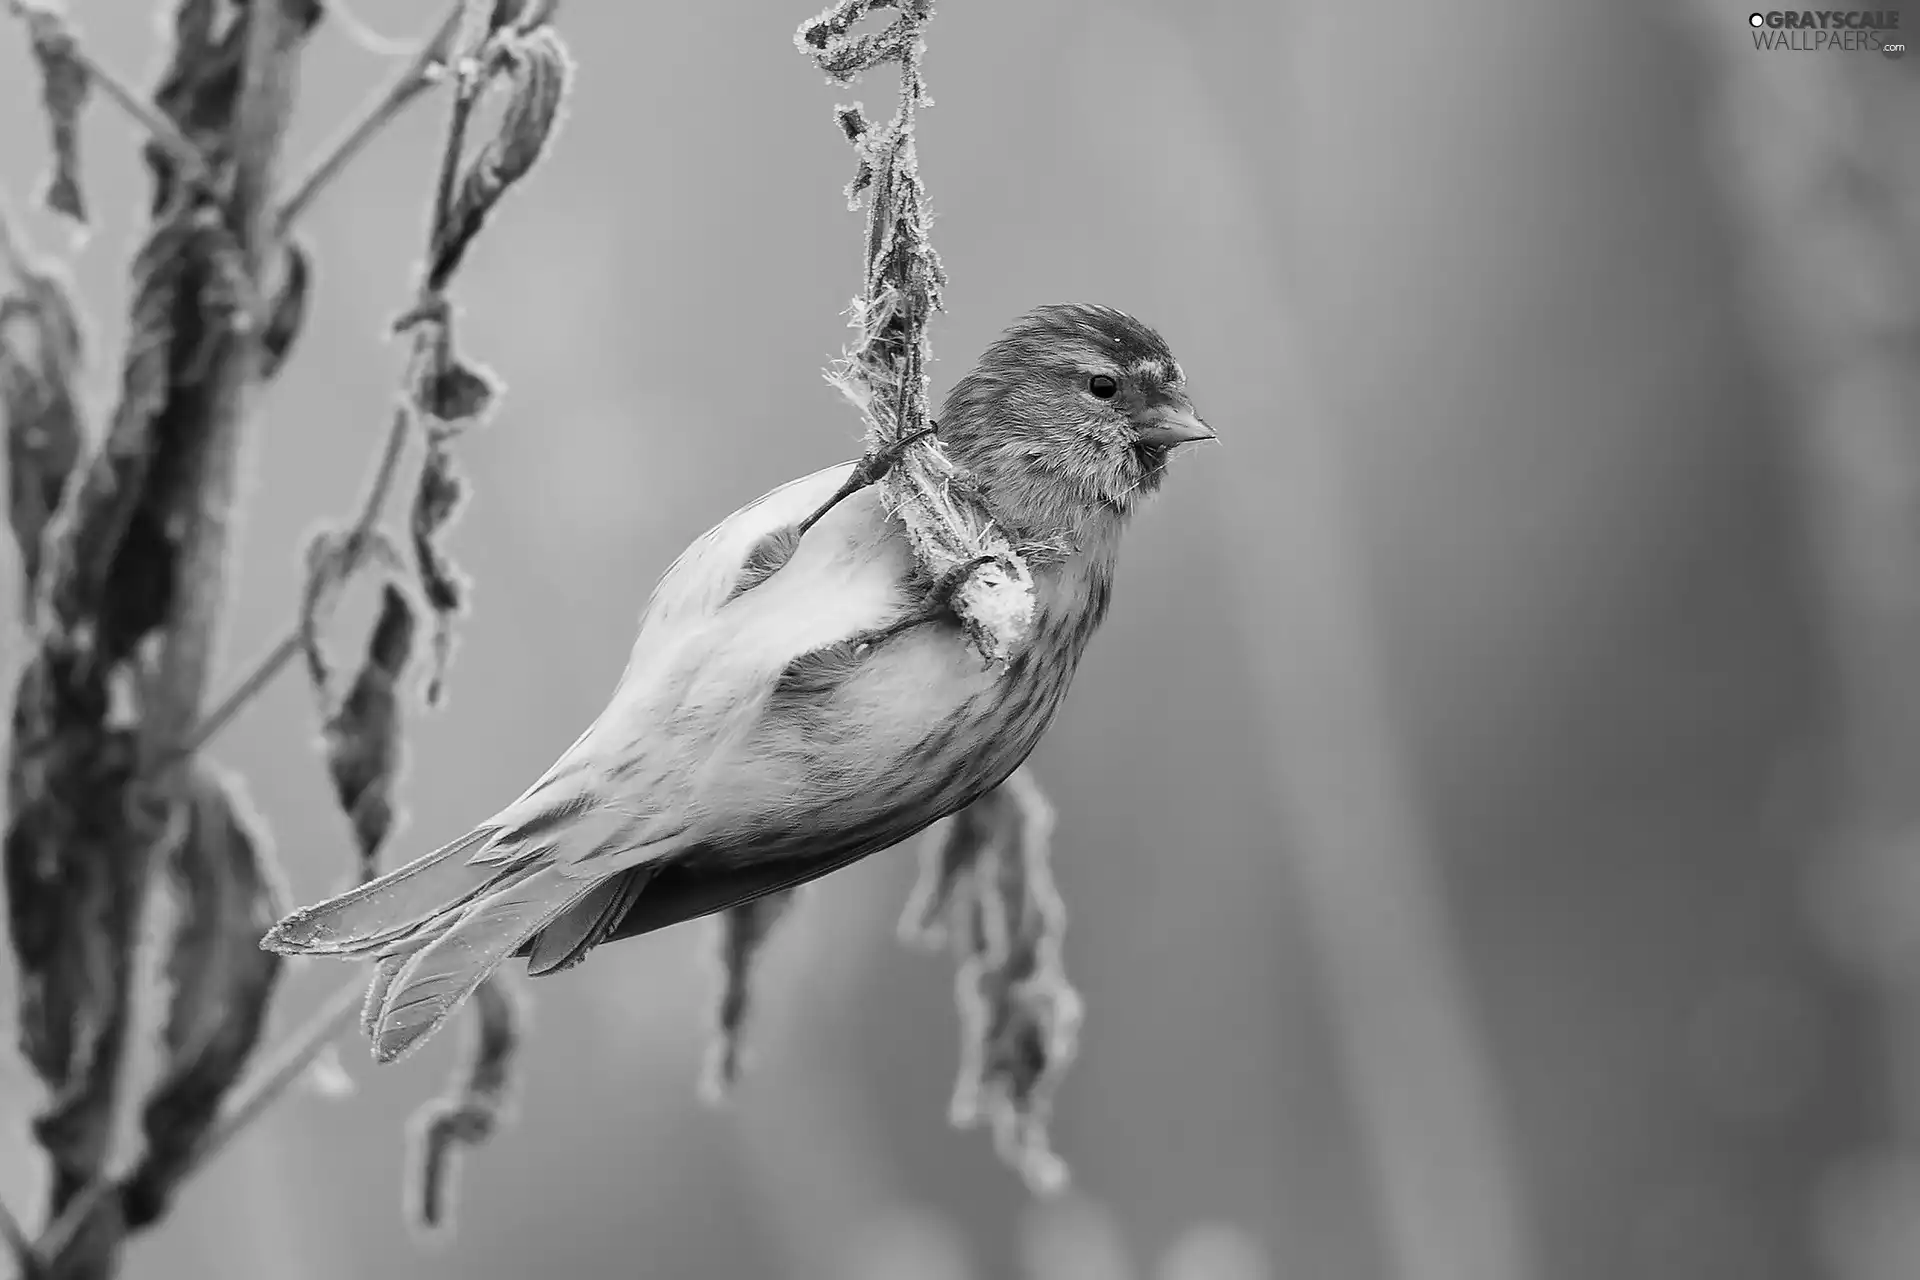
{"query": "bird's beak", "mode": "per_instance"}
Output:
(1171, 425)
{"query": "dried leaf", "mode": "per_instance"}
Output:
(939, 909)
(288, 313)
(852, 120)
(331, 559)
(987, 891)
(201, 81)
(743, 930)
(476, 1103)
(41, 353)
(845, 57)
(447, 392)
(826, 38)
(80, 824)
(447, 395)
(220, 982)
(853, 123)
(364, 742)
(538, 73)
(440, 495)
(110, 571)
(83, 821)
(70, 905)
(64, 83)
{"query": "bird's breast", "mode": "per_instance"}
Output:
(999, 725)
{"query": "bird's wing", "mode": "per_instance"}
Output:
(714, 670)
(708, 573)
(763, 713)
(707, 656)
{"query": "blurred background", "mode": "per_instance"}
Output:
(1488, 820)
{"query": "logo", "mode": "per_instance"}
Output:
(1821, 30)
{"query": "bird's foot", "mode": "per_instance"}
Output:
(936, 604)
(870, 470)
(874, 466)
(772, 552)
(940, 597)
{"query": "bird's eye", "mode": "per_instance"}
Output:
(1103, 386)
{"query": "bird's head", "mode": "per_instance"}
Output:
(1070, 416)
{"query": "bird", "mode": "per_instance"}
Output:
(770, 728)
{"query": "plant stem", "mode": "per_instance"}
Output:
(260, 120)
(54, 1242)
(471, 30)
(204, 469)
(259, 1091)
(454, 37)
(380, 111)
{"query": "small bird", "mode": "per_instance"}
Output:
(765, 736)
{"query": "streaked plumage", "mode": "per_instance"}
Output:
(753, 742)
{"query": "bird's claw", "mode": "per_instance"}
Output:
(940, 595)
(868, 471)
(935, 604)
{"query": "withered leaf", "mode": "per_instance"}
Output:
(476, 1103)
(538, 72)
(743, 934)
(331, 559)
(227, 893)
(853, 121)
(199, 84)
(826, 40)
(950, 854)
(364, 742)
(109, 566)
(843, 59)
(288, 313)
(987, 890)
(41, 351)
(448, 392)
(64, 84)
(74, 849)
(441, 492)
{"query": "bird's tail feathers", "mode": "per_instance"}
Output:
(586, 924)
(385, 970)
(373, 916)
(437, 977)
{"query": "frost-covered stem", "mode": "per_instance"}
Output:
(884, 376)
(206, 546)
(418, 75)
(170, 687)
